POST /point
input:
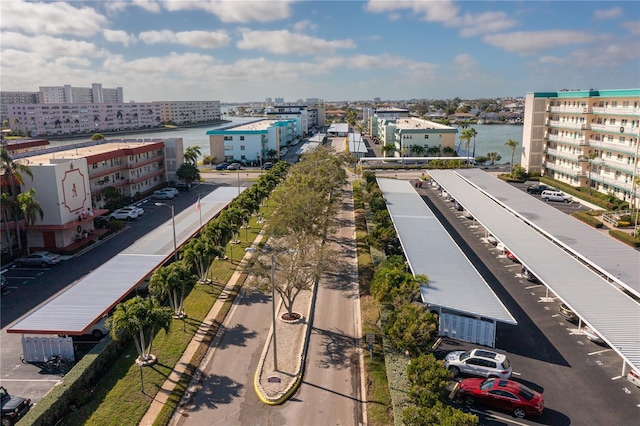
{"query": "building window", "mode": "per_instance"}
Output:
(228, 147)
(228, 138)
(241, 138)
(241, 147)
(426, 136)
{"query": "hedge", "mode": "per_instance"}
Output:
(625, 237)
(588, 219)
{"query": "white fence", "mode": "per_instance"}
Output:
(41, 349)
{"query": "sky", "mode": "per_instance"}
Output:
(242, 51)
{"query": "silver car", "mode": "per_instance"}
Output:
(39, 258)
(478, 362)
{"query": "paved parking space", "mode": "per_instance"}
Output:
(580, 379)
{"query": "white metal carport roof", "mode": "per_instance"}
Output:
(613, 314)
(453, 281)
(618, 261)
(73, 311)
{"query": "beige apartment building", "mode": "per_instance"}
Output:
(585, 138)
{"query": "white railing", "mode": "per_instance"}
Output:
(619, 147)
(568, 124)
(616, 111)
(573, 110)
(567, 139)
(564, 169)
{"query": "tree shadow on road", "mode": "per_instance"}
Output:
(336, 349)
(236, 336)
(214, 391)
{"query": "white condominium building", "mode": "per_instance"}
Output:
(584, 138)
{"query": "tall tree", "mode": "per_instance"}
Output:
(171, 281)
(191, 154)
(188, 172)
(493, 157)
(139, 318)
(513, 145)
(473, 132)
(31, 210)
(388, 149)
(12, 172)
(199, 254)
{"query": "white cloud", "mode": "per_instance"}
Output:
(236, 11)
(489, 22)
(614, 12)
(51, 18)
(148, 5)
(431, 11)
(284, 42)
(114, 36)
(526, 42)
(632, 26)
(203, 39)
(47, 46)
(302, 26)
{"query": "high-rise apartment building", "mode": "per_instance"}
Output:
(95, 94)
(585, 138)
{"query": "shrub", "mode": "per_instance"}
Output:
(623, 224)
(625, 237)
(588, 219)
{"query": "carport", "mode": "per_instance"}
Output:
(468, 308)
(73, 311)
(568, 257)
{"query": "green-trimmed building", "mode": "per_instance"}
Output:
(585, 138)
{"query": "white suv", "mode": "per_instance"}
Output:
(555, 196)
(478, 362)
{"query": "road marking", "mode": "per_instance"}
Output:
(626, 390)
(533, 286)
(532, 293)
(599, 362)
(23, 278)
(599, 352)
(617, 377)
(516, 373)
(580, 342)
(504, 419)
(546, 308)
(556, 315)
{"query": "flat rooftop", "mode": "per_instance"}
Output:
(256, 125)
(87, 149)
(410, 123)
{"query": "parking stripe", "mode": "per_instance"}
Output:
(599, 352)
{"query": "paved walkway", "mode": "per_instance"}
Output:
(163, 394)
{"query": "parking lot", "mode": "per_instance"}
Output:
(581, 380)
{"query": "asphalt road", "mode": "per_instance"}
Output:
(580, 379)
(331, 388)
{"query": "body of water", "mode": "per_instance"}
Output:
(490, 138)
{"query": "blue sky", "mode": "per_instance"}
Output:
(237, 51)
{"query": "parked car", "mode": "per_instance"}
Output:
(222, 166)
(538, 188)
(284, 151)
(123, 214)
(492, 240)
(503, 394)
(556, 196)
(3, 283)
(101, 221)
(138, 210)
(567, 313)
(171, 190)
(591, 334)
(529, 275)
(234, 166)
(511, 257)
(467, 214)
(163, 195)
(634, 377)
(268, 165)
(39, 258)
(13, 407)
(183, 186)
(478, 362)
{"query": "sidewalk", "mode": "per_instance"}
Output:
(163, 394)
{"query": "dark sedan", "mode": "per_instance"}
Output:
(537, 189)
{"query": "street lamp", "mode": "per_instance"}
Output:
(173, 221)
(273, 312)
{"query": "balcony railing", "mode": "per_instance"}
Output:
(569, 110)
(564, 169)
(567, 125)
(615, 128)
(613, 146)
(616, 111)
(570, 140)
(562, 154)
(102, 171)
(627, 186)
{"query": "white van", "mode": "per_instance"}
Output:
(555, 196)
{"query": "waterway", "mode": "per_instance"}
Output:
(490, 137)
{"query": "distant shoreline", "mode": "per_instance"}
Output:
(134, 131)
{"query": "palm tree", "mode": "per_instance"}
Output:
(199, 254)
(473, 133)
(493, 157)
(389, 148)
(465, 136)
(433, 151)
(191, 154)
(513, 145)
(10, 208)
(418, 150)
(139, 318)
(13, 171)
(171, 281)
(30, 208)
